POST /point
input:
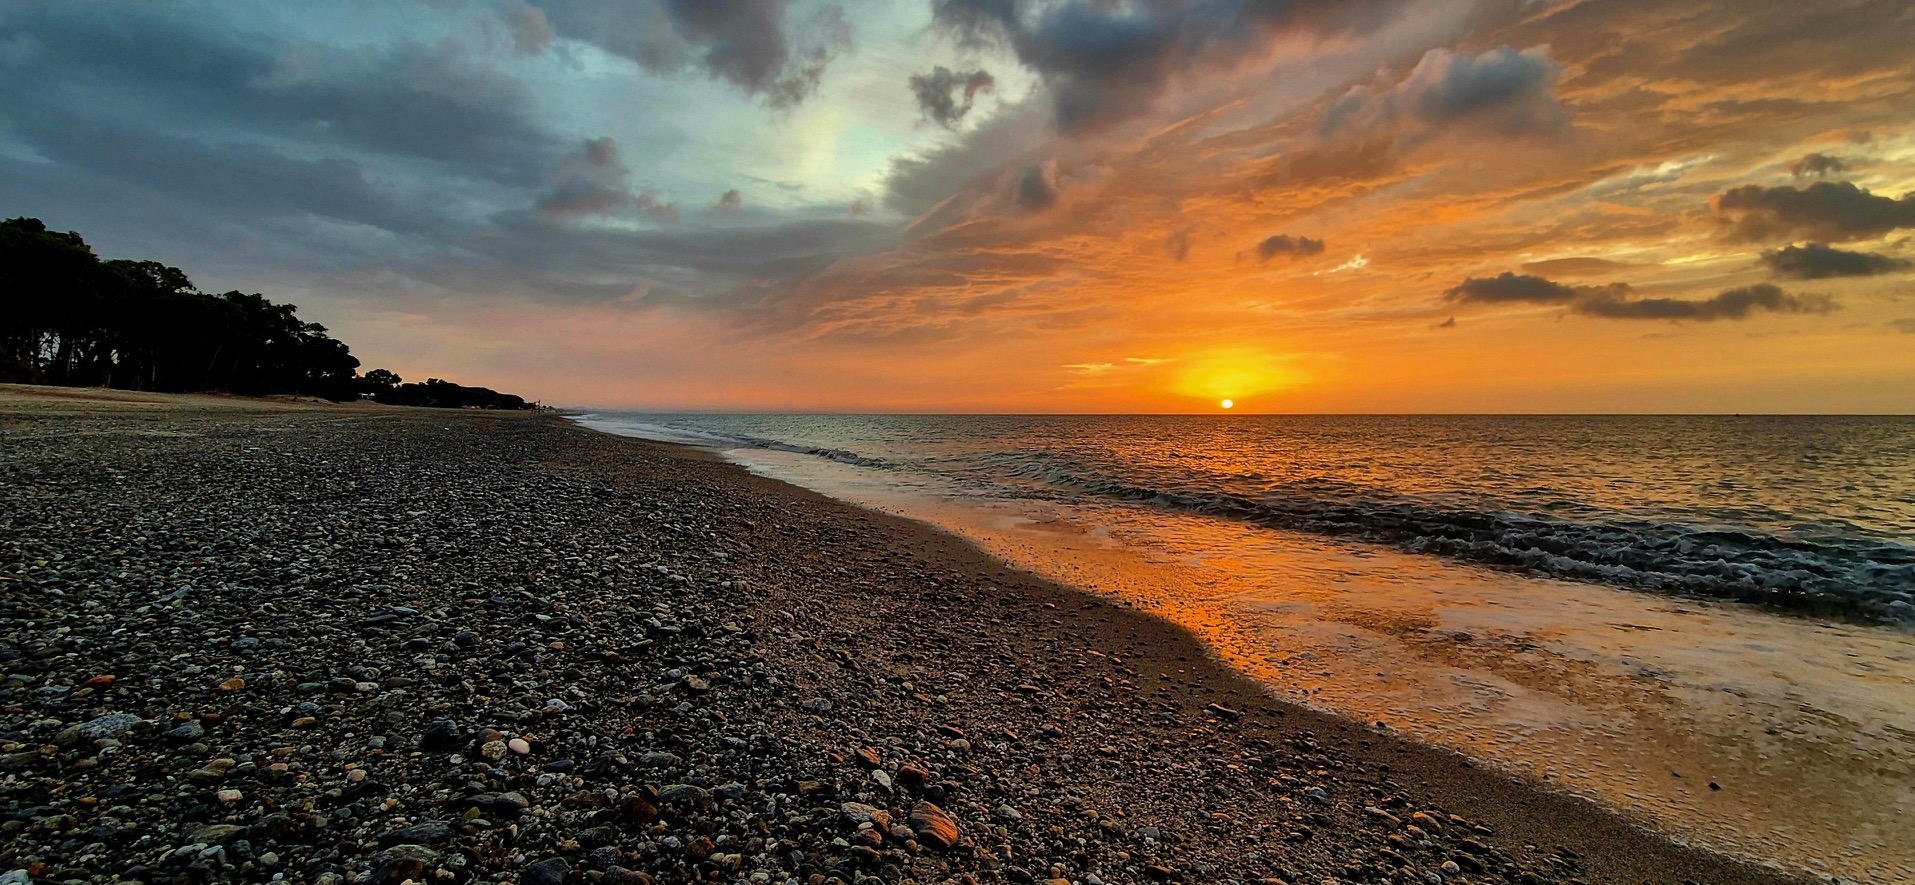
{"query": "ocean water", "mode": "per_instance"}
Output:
(1705, 622)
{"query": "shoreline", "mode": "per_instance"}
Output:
(1214, 681)
(1066, 737)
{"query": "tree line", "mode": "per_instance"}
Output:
(69, 318)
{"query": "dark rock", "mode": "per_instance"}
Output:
(443, 736)
(432, 832)
(550, 871)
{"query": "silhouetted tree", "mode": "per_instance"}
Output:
(66, 317)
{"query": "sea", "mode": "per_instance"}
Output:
(1706, 623)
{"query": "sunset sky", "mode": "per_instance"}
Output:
(1017, 205)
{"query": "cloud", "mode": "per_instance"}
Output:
(1733, 304)
(1817, 166)
(1178, 242)
(134, 67)
(531, 32)
(1035, 191)
(1815, 261)
(590, 182)
(1575, 267)
(1618, 301)
(649, 204)
(751, 44)
(1104, 62)
(729, 201)
(1905, 325)
(1284, 244)
(1825, 211)
(1500, 91)
(1508, 287)
(937, 93)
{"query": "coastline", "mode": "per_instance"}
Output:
(1056, 729)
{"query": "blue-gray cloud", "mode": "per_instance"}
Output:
(1104, 62)
(232, 150)
(945, 96)
(1825, 211)
(752, 44)
(1814, 261)
(1619, 301)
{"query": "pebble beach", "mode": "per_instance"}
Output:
(253, 641)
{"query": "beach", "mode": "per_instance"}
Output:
(251, 640)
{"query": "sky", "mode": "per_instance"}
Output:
(1017, 205)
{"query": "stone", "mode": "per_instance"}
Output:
(622, 876)
(933, 826)
(432, 832)
(550, 871)
(519, 746)
(683, 795)
(402, 862)
(215, 834)
(442, 736)
(111, 725)
(229, 796)
(504, 806)
(188, 733)
(858, 813)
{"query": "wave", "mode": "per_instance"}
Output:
(1870, 579)
(718, 440)
(1835, 570)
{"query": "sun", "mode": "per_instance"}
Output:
(1228, 404)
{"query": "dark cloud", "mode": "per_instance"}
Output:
(1178, 243)
(1826, 211)
(590, 182)
(1905, 325)
(1284, 244)
(729, 201)
(1817, 166)
(1733, 304)
(1447, 324)
(531, 33)
(133, 67)
(1814, 261)
(1508, 286)
(1575, 267)
(938, 93)
(752, 44)
(649, 205)
(1618, 301)
(1035, 192)
(1498, 90)
(1460, 85)
(1104, 61)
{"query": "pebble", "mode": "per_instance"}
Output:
(404, 618)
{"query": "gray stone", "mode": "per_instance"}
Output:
(550, 871)
(111, 725)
